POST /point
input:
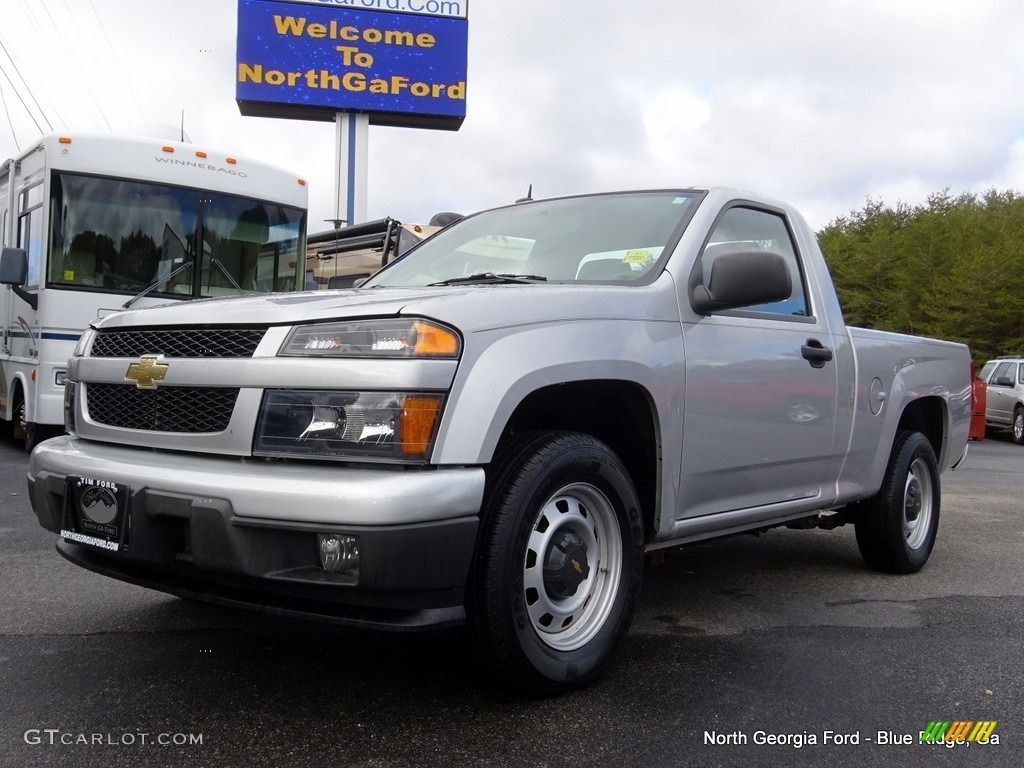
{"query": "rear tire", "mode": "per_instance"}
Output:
(29, 432)
(896, 528)
(21, 429)
(559, 562)
(1017, 427)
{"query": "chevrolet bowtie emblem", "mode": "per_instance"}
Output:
(147, 372)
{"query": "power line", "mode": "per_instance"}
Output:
(14, 135)
(4, 71)
(28, 88)
(78, 68)
(33, 18)
(76, 23)
(117, 59)
(30, 14)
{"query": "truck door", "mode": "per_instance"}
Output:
(760, 410)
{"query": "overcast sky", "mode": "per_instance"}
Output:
(822, 103)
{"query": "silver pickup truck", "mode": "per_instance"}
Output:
(495, 428)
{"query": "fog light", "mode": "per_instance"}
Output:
(339, 554)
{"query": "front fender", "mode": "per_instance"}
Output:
(500, 368)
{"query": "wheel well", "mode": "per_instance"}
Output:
(16, 395)
(927, 416)
(618, 413)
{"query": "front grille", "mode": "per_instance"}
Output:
(195, 342)
(168, 409)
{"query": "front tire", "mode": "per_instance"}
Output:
(559, 562)
(896, 528)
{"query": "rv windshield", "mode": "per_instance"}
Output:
(599, 238)
(120, 236)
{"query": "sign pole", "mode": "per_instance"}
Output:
(351, 153)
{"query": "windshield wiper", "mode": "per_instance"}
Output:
(224, 271)
(146, 291)
(491, 277)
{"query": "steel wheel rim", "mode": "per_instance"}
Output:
(918, 504)
(583, 513)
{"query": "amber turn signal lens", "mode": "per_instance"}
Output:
(419, 417)
(435, 341)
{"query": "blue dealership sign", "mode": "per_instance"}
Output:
(310, 60)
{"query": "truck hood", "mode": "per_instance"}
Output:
(468, 308)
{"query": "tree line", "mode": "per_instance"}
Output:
(952, 268)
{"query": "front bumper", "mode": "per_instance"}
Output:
(244, 532)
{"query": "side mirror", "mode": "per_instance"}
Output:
(13, 266)
(741, 280)
(14, 272)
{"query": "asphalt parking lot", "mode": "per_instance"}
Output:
(785, 638)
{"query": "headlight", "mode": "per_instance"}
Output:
(387, 337)
(395, 426)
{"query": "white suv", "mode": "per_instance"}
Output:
(1005, 404)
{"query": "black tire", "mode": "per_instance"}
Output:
(31, 436)
(1017, 425)
(20, 428)
(559, 562)
(896, 528)
(29, 432)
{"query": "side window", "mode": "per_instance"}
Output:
(1002, 375)
(30, 231)
(748, 229)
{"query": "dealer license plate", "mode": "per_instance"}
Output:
(96, 513)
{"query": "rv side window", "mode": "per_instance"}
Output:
(30, 231)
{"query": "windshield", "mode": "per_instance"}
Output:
(600, 238)
(122, 236)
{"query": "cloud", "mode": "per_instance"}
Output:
(822, 104)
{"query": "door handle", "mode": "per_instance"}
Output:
(816, 353)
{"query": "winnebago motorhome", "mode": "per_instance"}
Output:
(94, 224)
